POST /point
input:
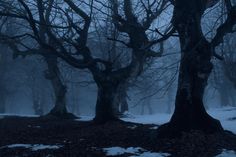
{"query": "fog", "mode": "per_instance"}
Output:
(22, 78)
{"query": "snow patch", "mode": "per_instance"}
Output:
(227, 153)
(150, 154)
(225, 115)
(2, 115)
(33, 147)
(41, 146)
(114, 151)
(127, 114)
(158, 119)
(134, 151)
(18, 145)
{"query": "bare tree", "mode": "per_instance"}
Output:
(66, 32)
(136, 26)
(195, 66)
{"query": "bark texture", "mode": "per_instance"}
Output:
(195, 68)
(106, 100)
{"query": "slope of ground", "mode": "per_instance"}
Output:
(40, 137)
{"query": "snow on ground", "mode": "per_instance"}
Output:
(33, 147)
(227, 153)
(226, 116)
(2, 115)
(133, 151)
(157, 119)
(113, 151)
(150, 154)
(17, 146)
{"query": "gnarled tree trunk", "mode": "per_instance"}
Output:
(106, 100)
(195, 68)
(53, 74)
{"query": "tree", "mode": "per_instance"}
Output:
(68, 41)
(52, 42)
(136, 27)
(52, 73)
(195, 66)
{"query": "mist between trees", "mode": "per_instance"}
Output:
(107, 57)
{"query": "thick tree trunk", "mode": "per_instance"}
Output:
(106, 100)
(195, 68)
(110, 82)
(53, 74)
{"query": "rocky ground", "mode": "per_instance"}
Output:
(86, 139)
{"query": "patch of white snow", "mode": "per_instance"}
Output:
(37, 147)
(225, 115)
(159, 118)
(2, 115)
(18, 145)
(114, 151)
(150, 154)
(134, 151)
(227, 153)
(33, 147)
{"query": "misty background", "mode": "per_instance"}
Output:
(25, 90)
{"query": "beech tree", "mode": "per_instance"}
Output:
(18, 41)
(195, 66)
(72, 48)
(66, 37)
(136, 26)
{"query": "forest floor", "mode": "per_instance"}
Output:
(41, 137)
